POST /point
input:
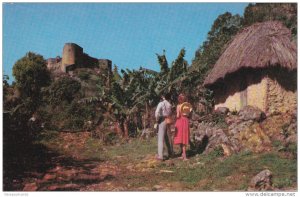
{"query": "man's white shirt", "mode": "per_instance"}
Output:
(163, 109)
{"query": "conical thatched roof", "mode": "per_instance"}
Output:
(258, 46)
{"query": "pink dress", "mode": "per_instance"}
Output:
(182, 134)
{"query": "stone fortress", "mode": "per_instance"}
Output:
(73, 57)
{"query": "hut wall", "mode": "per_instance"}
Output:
(233, 102)
(235, 96)
(271, 90)
(228, 95)
(257, 93)
(280, 98)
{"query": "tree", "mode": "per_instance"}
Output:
(163, 62)
(64, 89)
(24, 98)
(5, 84)
(284, 12)
(31, 74)
(171, 80)
(131, 97)
(222, 31)
(115, 73)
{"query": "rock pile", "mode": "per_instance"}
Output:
(249, 129)
(207, 137)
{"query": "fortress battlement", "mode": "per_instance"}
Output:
(73, 57)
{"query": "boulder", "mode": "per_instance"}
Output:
(226, 150)
(251, 113)
(254, 138)
(262, 181)
(222, 110)
(207, 137)
(232, 119)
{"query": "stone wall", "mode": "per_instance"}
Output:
(54, 64)
(281, 98)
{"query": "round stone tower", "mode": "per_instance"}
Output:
(71, 54)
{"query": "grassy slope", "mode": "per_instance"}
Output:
(210, 172)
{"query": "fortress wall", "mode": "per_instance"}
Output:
(105, 64)
(72, 53)
(54, 64)
(73, 57)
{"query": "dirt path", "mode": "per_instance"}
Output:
(113, 170)
(88, 175)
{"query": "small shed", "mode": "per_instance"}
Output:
(258, 68)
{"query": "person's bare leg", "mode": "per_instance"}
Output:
(184, 152)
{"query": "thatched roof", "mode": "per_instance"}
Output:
(258, 46)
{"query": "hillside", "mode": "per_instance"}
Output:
(80, 162)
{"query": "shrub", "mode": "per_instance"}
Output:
(292, 148)
(217, 152)
(219, 120)
(64, 89)
(84, 75)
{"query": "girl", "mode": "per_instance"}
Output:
(182, 134)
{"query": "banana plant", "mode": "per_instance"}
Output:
(136, 92)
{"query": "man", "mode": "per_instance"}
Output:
(163, 111)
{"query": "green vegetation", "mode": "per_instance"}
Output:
(31, 74)
(62, 90)
(84, 75)
(223, 29)
(22, 99)
(259, 12)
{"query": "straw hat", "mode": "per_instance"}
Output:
(186, 108)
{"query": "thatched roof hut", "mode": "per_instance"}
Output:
(258, 68)
(258, 46)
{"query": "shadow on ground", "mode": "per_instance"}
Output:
(34, 167)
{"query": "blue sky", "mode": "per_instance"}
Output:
(129, 34)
